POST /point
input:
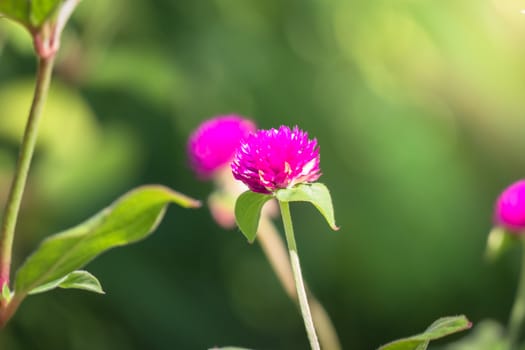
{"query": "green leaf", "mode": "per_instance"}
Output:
(315, 193)
(230, 348)
(487, 335)
(15, 9)
(131, 218)
(439, 329)
(248, 212)
(75, 280)
(41, 10)
(31, 13)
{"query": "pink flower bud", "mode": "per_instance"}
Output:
(510, 208)
(212, 145)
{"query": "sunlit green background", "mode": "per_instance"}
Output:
(419, 110)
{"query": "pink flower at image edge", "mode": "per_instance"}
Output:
(510, 207)
(269, 160)
(213, 144)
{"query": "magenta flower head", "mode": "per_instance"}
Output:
(212, 145)
(510, 208)
(269, 160)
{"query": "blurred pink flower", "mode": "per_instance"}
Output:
(269, 160)
(212, 145)
(510, 207)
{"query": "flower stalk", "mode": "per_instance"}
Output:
(298, 278)
(43, 79)
(277, 255)
(517, 315)
(10, 309)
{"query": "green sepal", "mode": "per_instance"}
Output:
(6, 293)
(439, 329)
(498, 242)
(248, 212)
(75, 280)
(129, 219)
(315, 193)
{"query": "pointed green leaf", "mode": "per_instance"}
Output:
(315, 193)
(248, 212)
(75, 280)
(82, 280)
(439, 329)
(131, 218)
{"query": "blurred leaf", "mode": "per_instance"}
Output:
(16, 37)
(316, 193)
(230, 348)
(439, 329)
(75, 280)
(15, 9)
(32, 13)
(131, 218)
(487, 335)
(248, 212)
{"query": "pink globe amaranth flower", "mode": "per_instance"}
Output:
(510, 208)
(213, 144)
(269, 160)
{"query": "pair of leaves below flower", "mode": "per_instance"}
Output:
(31, 13)
(439, 329)
(131, 218)
(249, 205)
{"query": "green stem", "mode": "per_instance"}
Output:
(296, 268)
(45, 68)
(518, 309)
(9, 310)
(277, 255)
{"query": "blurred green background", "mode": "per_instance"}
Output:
(418, 108)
